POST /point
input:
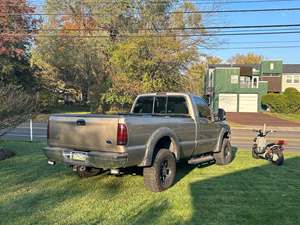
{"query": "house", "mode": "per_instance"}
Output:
(239, 88)
(290, 76)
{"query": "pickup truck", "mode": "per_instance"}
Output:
(160, 130)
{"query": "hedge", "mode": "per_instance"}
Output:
(287, 102)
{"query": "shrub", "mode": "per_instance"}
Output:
(288, 102)
(276, 102)
(293, 96)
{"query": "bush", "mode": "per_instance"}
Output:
(293, 96)
(276, 102)
(288, 102)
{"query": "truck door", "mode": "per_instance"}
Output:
(207, 131)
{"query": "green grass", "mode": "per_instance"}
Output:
(290, 117)
(245, 192)
(68, 109)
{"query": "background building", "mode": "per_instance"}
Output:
(239, 88)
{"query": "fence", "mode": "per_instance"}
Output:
(28, 131)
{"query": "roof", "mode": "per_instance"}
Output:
(256, 66)
(291, 68)
(287, 68)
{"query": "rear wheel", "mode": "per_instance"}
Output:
(161, 175)
(87, 171)
(225, 156)
(277, 156)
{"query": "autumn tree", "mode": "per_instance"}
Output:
(101, 48)
(249, 58)
(15, 26)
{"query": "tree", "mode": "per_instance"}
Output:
(249, 58)
(95, 48)
(15, 39)
(16, 107)
(213, 60)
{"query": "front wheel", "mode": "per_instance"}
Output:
(277, 157)
(225, 156)
(161, 175)
(254, 154)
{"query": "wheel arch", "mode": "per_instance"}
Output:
(224, 133)
(161, 138)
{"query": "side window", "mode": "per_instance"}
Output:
(202, 107)
(296, 79)
(177, 105)
(160, 105)
(289, 79)
(143, 105)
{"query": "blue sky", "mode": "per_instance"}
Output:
(288, 55)
(291, 55)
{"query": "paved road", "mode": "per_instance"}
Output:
(240, 137)
(258, 119)
(244, 138)
(22, 132)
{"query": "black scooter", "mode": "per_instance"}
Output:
(272, 152)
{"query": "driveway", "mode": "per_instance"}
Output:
(258, 119)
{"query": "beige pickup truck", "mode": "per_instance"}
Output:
(160, 130)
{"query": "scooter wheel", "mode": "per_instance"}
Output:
(254, 154)
(277, 157)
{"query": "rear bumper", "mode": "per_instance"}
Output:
(105, 160)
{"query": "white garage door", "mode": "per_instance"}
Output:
(228, 102)
(248, 102)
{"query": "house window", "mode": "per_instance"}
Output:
(296, 79)
(289, 79)
(271, 66)
(234, 79)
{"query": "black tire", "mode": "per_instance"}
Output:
(225, 156)
(161, 175)
(280, 158)
(88, 172)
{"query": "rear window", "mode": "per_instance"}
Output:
(175, 105)
(160, 105)
(144, 105)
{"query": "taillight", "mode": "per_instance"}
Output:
(281, 142)
(122, 134)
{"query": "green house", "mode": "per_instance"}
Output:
(235, 88)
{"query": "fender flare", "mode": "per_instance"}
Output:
(153, 140)
(220, 139)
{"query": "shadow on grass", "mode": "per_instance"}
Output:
(262, 195)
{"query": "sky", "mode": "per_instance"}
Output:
(288, 55)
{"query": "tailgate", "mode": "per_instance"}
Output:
(87, 133)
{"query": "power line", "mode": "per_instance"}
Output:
(260, 42)
(175, 12)
(255, 47)
(180, 28)
(154, 36)
(192, 1)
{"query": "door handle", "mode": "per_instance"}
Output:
(80, 122)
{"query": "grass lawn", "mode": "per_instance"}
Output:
(291, 117)
(69, 109)
(245, 192)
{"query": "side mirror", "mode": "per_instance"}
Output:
(221, 115)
